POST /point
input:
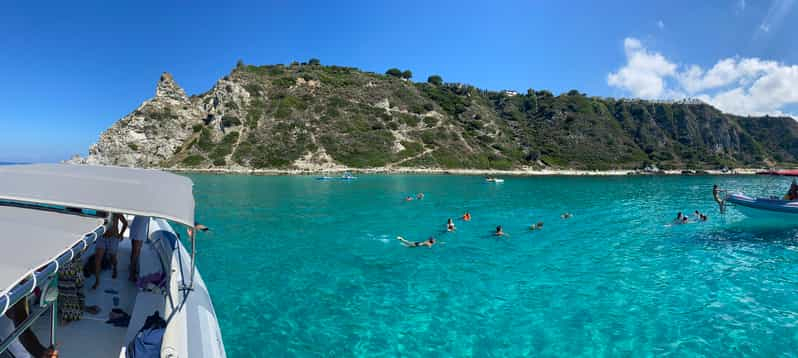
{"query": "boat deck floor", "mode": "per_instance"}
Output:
(91, 337)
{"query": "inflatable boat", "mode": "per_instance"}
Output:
(763, 207)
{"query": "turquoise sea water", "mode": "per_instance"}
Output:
(298, 267)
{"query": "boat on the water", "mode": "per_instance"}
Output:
(52, 217)
(494, 180)
(345, 177)
(771, 207)
(763, 207)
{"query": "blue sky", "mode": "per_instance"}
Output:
(70, 69)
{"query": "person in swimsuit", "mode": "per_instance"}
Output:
(450, 225)
(499, 231)
(467, 216)
(428, 242)
(537, 226)
(420, 196)
(109, 243)
(566, 216)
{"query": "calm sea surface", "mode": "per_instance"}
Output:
(300, 267)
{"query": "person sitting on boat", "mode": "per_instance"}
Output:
(109, 243)
(428, 242)
(792, 194)
(537, 226)
(467, 216)
(27, 345)
(499, 231)
(450, 225)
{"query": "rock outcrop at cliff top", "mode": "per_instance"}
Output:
(309, 116)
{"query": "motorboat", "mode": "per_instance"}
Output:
(494, 180)
(52, 216)
(763, 207)
(771, 207)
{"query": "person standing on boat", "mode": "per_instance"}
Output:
(139, 231)
(716, 195)
(109, 243)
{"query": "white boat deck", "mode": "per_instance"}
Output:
(91, 337)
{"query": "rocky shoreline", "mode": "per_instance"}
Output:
(439, 171)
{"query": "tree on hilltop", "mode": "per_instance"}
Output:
(407, 74)
(394, 72)
(435, 80)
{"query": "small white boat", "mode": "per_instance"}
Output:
(494, 180)
(765, 208)
(771, 208)
(51, 216)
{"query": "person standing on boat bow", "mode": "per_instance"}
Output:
(109, 243)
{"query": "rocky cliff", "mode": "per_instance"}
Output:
(309, 116)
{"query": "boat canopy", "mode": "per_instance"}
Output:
(144, 192)
(31, 239)
(789, 173)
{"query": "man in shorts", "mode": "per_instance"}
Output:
(139, 231)
(108, 243)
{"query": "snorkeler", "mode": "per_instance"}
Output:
(450, 225)
(467, 216)
(537, 226)
(428, 242)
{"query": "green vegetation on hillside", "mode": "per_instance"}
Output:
(363, 119)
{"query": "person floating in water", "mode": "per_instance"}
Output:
(467, 216)
(697, 215)
(450, 225)
(409, 198)
(420, 196)
(428, 242)
(680, 219)
(703, 217)
(566, 216)
(499, 231)
(537, 226)
(792, 193)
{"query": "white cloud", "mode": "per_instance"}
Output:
(745, 86)
(740, 6)
(661, 25)
(775, 16)
(644, 72)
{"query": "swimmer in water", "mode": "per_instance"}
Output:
(566, 216)
(537, 226)
(409, 198)
(420, 196)
(428, 242)
(467, 216)
(450, 225)
(680, 219)
(499, 231)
